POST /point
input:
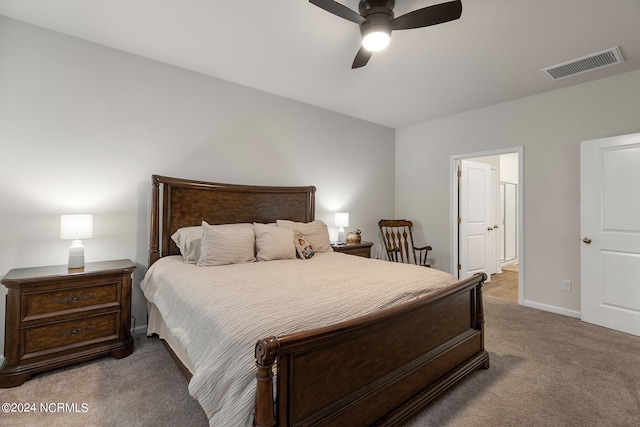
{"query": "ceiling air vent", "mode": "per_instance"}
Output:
(591, 62)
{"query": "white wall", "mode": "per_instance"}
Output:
(550, 127)
(83, 127)
(509, 168)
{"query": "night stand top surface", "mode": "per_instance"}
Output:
(53, 272)
(352, 245)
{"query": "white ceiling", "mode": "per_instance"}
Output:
(292, 48)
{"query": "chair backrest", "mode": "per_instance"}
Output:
(397, 237)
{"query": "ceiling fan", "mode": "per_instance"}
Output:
(376, 21)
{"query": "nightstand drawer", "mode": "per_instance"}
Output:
(362, 249)
(50, 303)
(363, 252)
(73, 333)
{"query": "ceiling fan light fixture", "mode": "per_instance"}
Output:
(376, 20)
(377, 38)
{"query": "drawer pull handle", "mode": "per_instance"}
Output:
(73, 332)
(74, 298)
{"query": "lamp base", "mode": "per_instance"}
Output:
(76, 255)
(342, 237)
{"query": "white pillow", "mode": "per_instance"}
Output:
(273, 242)
(188, 240)
(226, 244)
(315, 232)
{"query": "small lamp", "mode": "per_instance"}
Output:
(342, 220)
(76, 227)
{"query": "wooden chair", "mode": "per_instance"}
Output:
(397, 237)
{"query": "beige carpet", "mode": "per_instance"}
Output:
(144, 389)
(546, 370)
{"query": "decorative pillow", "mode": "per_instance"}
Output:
(188, 240)
(273, 242)
(315, 232)
(304, 248)
(226, 244)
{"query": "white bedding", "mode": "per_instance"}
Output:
(218, 313)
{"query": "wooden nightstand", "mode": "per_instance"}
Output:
(362, 249)
(57, 317)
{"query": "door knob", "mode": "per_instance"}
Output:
(490, 228)
(587, 240)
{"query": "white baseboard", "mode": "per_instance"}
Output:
(552, 309)
(142, 329)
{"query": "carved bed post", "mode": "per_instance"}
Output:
(266, 352)
(154, 245)
(480, 316)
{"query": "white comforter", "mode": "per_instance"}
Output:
(218, 313)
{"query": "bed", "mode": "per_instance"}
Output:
(379, 367)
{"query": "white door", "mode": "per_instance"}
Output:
(510, 224)
(610, 227)
(492, 227)
(474, 218)
(501, 248)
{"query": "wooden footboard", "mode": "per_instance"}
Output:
(379, 369)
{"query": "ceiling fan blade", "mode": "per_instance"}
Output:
(338, 9)
(430, 15)
(362, 57)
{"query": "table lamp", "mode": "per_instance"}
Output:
(342, 220)
(76, 227)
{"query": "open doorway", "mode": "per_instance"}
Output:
(487, 221)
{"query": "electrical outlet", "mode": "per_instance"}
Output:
(566, 285)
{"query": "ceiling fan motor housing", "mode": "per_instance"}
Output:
(365, 5)
(378, 15)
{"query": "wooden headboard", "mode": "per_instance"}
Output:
(182, 203)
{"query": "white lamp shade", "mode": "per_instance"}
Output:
(342, 219)
(76, 227)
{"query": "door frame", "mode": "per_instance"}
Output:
(453, 208)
